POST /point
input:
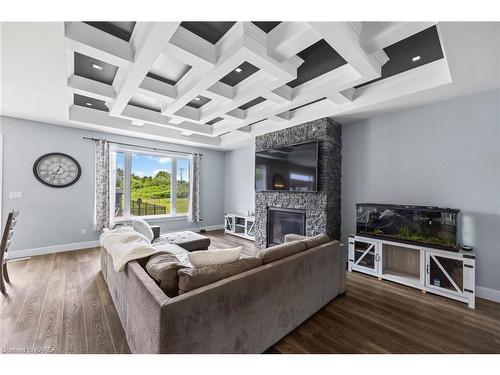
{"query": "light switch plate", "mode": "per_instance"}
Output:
(15, 195)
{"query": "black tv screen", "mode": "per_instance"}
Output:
(290, 168)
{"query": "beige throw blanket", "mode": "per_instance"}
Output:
(124, 244)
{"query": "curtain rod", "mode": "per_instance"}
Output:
(145, 147)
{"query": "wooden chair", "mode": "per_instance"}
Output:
(4, 245)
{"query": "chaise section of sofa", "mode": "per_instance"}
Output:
(245, 313)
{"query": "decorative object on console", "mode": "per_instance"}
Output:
(57, 170)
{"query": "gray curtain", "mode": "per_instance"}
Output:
(194, 201)
(101, 210)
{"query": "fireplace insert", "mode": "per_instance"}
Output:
(430, 226)
(281, 221)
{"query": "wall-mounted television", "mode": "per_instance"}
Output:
(288, 168)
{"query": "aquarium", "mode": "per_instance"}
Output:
(430, 226)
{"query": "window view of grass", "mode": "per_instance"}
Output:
(151, 185)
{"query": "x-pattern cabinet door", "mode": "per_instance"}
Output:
(445, 273)
(364, 254)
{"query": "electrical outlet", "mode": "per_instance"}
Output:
(15, 194)
(83, 232)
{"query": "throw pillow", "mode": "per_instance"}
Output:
(193, 278)
(163, 268)
(212, 257)
(143, 228)
(286, 249)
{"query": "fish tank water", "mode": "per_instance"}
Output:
(429, 226)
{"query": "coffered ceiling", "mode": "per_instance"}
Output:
(219, 84)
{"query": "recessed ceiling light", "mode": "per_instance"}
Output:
(197, 98)
(415, 58)
(238, 70)
(89, 104)
(95, 66)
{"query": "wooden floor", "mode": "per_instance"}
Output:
(59, 303)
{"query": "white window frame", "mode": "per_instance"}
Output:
(127, 176)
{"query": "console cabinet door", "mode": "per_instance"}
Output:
(229, 225)
(445, 273)
(364, 255)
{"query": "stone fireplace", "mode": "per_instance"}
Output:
(281, 221)
(321, 209)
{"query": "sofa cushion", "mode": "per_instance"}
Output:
(314, 241)
(163, 267)
(193, 278)
(274, 253)
(143, 228)
(214, 257)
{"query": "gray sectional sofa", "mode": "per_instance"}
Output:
(244, 313)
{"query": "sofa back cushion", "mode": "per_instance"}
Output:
(193, 278)
(277, 252)
(213, 257)
(163, 267)
(314, 241)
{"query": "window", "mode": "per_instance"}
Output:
(148, 185)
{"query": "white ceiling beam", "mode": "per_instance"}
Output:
(237, 113)
(191, 49)
(343, 37)
(338, 98)
(100, 120)
(289, 38)
(220, 91)
(155, 118)
(158, 89)
(189, 113)
(375, 36)
(88, 87)
(148, 47)
(98, 44)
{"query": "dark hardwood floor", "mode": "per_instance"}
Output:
(59, 303)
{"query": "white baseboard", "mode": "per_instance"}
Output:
(487, 293)
(14, 254)
(212, 227)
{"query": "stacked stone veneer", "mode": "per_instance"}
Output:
(322, 207)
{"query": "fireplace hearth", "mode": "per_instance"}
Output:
(283, 221)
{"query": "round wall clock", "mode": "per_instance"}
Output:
(57, 170)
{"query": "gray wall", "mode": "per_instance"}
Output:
(446, 154)
(56, 216)
(240, 180)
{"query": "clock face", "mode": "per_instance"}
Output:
(57, 170)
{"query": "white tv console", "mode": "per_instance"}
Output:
(240, 225)
(449, 274)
